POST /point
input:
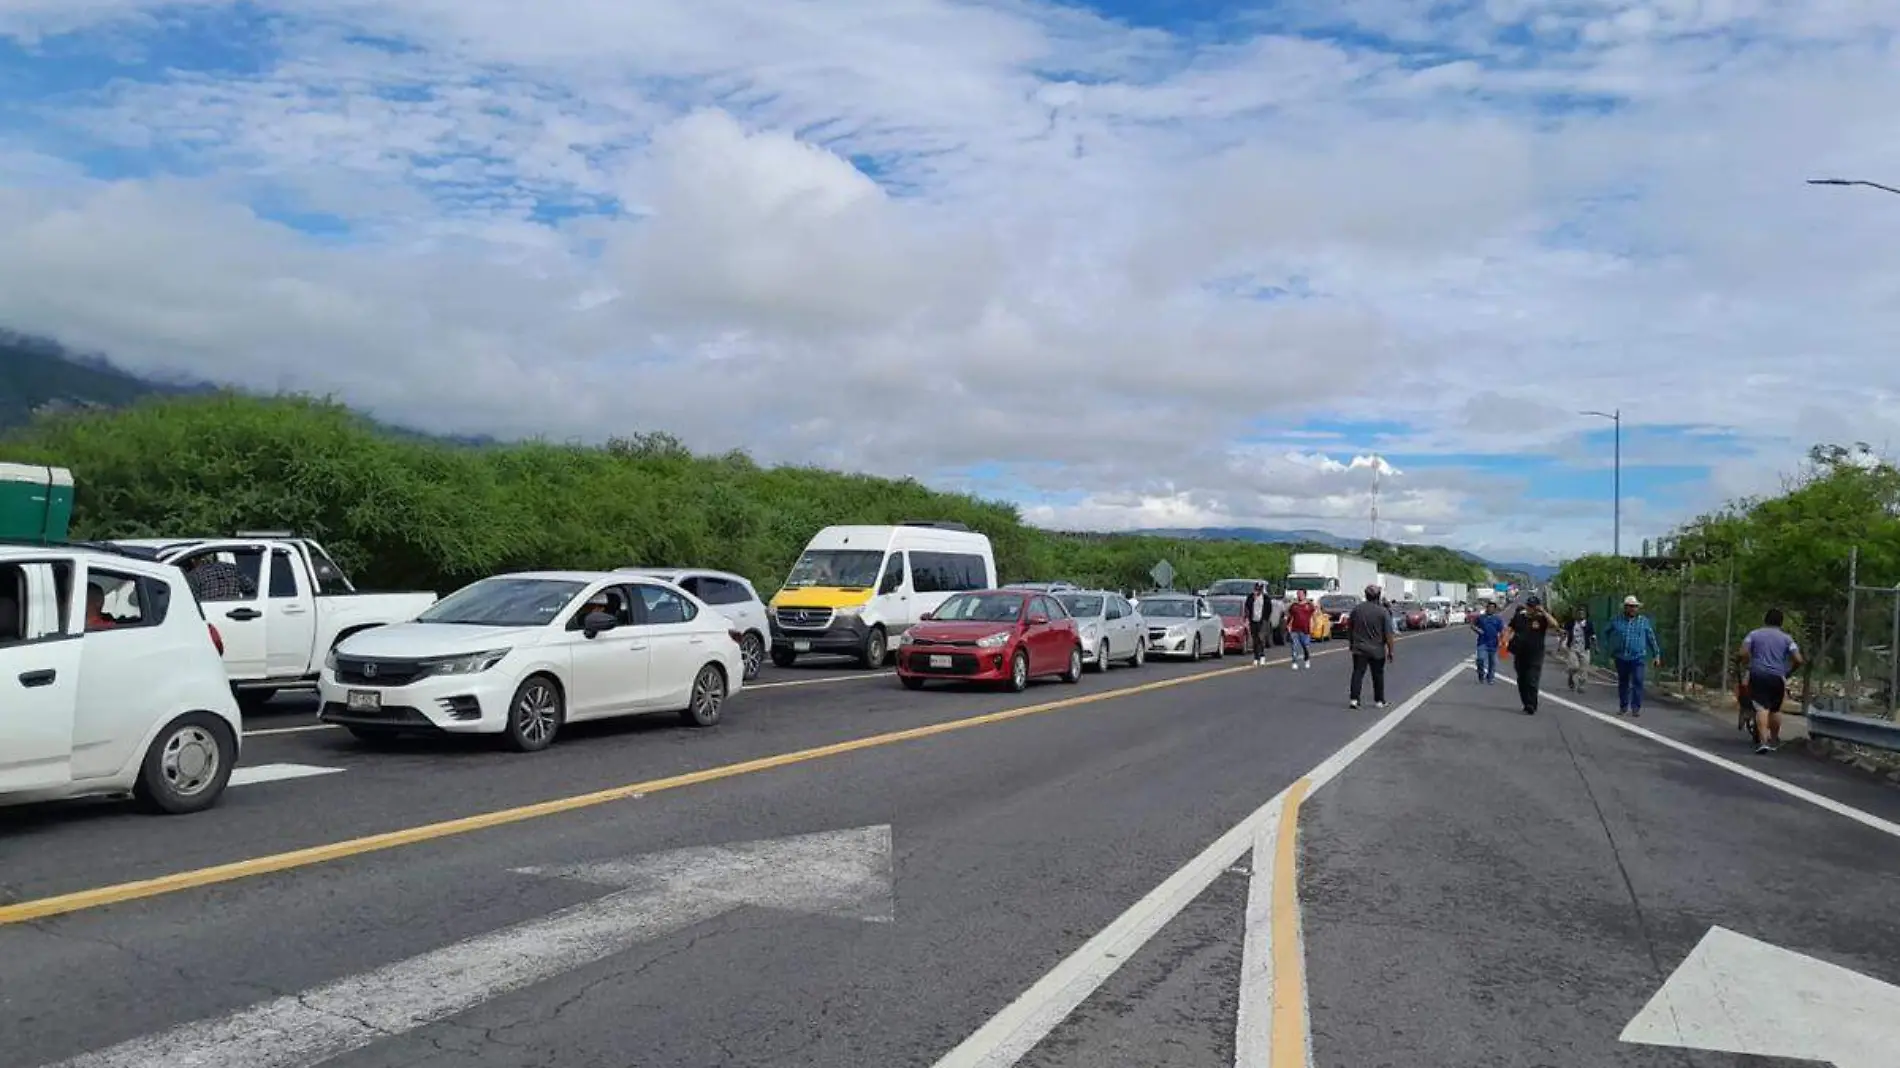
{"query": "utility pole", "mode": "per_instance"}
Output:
(1616, 532)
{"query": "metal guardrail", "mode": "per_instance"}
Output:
(1869, 731)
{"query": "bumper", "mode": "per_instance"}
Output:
(963, 663)
(1234, 643)
(843, 635)
(1162, 645)
(451, 704)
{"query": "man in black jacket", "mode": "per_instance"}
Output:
(1369, 629)
(1530, 627)
(1258, 612)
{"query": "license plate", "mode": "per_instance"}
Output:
(939, 661)
(801, 647)
(365, 701)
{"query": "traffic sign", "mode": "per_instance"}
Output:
(1163, 574)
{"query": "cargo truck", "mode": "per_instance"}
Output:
(1322, 573)
(36, 503)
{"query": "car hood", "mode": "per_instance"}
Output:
(405, 640)
(934, 630)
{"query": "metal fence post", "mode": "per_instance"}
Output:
(1682, 629)
(1848, 650)
(1893, 657)
(1728, 625)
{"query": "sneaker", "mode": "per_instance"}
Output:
(1530, 711)
(1636, 713)
(1764, 749)
(1378, 704)
(1354, 703)
(1622, 711)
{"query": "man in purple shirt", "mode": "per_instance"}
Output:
(1772, 656)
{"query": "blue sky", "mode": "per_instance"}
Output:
(1128, 264)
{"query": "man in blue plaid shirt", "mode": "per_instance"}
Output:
(1631, 640)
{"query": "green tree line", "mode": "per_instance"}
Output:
(403, 511)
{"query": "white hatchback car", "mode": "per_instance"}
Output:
(522, 655)
(111, 682)
(734, 597)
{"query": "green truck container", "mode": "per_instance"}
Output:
(36, 503)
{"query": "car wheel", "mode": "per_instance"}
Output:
(1101, 658)
(1074, 674)
(911, 682)
(187, 766)
(875, 649)
(1220, 648)
(1019, 671)
(752, 654)
(535, 715)
(1141, 653)
(783, 657)
(709, 698)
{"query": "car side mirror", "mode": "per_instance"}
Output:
(597, 623)
(926, 617)
(1038, 620)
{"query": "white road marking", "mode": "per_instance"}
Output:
(257, 773)
(1253, 1024)
(268, 731)
(1866, 819)
(1734, 994)
(817, 681)
(1014, 1031)
(843, 873)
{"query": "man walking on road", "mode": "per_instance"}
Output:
(1632, 644)
(1772, 656)
(1578, 642)
(1258, 611)
(1369, 628)
(1530, 627)
(1490, 628)
(1299, 632)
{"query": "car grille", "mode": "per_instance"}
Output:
(1157, 634)
(802, 618)
(386, 716)
(356, 671)
(960, 664)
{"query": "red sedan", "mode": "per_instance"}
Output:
(1233, 623)
(1006, 636)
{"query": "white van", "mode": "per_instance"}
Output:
(854, 589)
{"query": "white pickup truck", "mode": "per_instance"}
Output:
(300, 605)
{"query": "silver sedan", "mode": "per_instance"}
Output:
(1181, 624)
(1112, 629)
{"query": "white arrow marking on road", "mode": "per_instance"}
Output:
(1734, 994)
(840, 873)
(276, 773)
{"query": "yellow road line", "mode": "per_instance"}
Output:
(1289, 960)
(119, 893)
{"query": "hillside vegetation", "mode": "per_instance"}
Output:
(406, 512)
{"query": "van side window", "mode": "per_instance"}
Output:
(947, 572)
(893, 579)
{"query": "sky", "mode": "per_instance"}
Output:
(1132, 263)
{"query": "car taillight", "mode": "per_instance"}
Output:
(217, 640)
(737, 636)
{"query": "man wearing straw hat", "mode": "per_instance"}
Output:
(1631, 639)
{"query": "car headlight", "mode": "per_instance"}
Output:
(993, 641)
(1089, 631)
(849, 611)
(465, 664)
(1176, 630)
(900, 641)
(329, 659)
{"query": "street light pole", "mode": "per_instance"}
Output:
(1616, 533)
(1854, 181)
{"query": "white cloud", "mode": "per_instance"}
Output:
(917, 236)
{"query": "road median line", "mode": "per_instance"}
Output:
(97, 897)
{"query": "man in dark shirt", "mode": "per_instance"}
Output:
(1369, 629)
(211, 579)
(1529, 628)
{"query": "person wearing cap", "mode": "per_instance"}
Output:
(1258, 612)
(1631, 639)
(1530, 629)
(1369, 629)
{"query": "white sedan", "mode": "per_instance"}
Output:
(1181, 624)
(522, 655)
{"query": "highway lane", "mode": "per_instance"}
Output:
(1009, 843)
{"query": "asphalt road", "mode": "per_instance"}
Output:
(1476, 887)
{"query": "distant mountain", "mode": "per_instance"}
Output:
(1536, 572)
(38, 375)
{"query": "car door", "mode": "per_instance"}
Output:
(40, 654)
(1051, 643)
(607, 672)
(241, 620)
(680, 641)
(1211, 636)
(892, 602)
(290, 621)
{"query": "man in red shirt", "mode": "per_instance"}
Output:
(1299, 631)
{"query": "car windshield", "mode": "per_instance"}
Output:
(982, 608)
(851, 569)
(1338, 602)
(505, 602)
(1231, 588)
(1081, 605)
(1169, 608)
(1228, 606)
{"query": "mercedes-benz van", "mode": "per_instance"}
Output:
(856, 588)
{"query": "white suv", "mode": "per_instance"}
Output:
(111, 682)
(733, 596)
